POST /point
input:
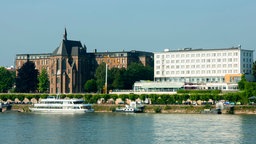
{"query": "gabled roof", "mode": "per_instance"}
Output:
(69, 48)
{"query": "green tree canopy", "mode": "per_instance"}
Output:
(136, 72)
(26, 80)
(100, 76)
(44, 83)
(90, 86)
(241, 83)
(254, 69)
(115, 78)
(6, 80)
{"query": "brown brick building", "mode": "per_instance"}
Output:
(70, 65)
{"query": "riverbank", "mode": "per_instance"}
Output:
(167, 109)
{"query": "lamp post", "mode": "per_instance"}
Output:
(106, 80)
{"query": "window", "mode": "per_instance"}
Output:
(224, 54)
(157, 56)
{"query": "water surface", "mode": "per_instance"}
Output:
(116, 128)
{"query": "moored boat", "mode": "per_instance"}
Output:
(132, 108)
(55, 105)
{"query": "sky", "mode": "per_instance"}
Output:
(32, 27)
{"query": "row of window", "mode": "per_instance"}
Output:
(248, 54)
(202, 66)
(197, 72)
(219, 60)
(33, 57)
(201, 72)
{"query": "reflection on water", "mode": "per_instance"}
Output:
(197, 128)
(111, 128)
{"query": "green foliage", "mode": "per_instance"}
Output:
(158, 109)
(44, 83)
(207, 106)
(254, 69)
(122, 78)
(6, 80)
(241, 83)
(90, 86)
(100, 75)
(136, 72)
(26, 80)
(116, 78)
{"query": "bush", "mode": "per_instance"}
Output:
(158, 109)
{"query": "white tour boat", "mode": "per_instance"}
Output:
(56, 105)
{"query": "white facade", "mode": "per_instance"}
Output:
(201, 65)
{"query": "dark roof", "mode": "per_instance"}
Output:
(69, 47)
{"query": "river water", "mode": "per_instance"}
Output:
(118, 128)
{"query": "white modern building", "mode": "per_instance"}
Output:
(202, 68)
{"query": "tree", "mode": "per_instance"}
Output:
(136, 72)
(6, 80)
(26, 80)
(100, 75)
(115, 78)
(90, 86)
(43, 79)
(254, 69)
(241, 83)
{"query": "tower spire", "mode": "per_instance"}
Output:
(65, 35)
